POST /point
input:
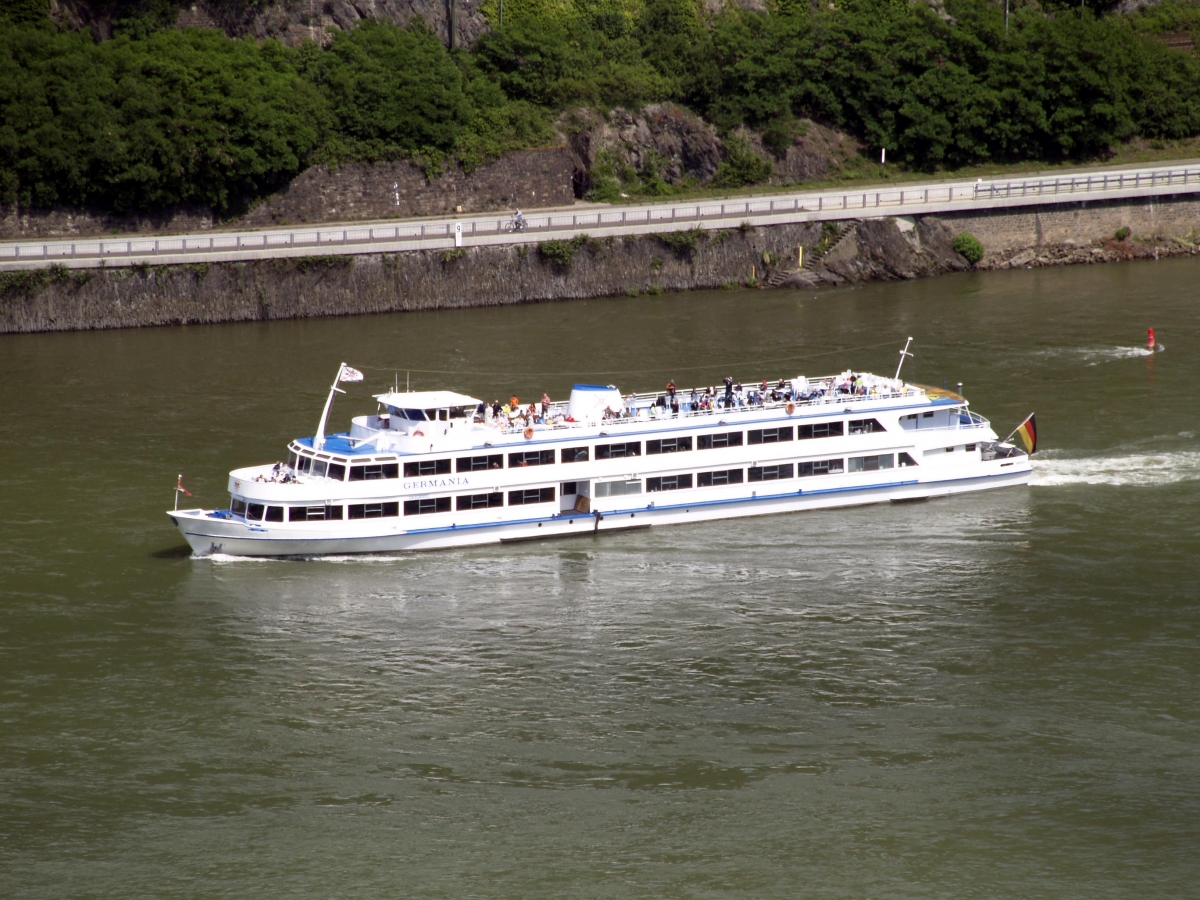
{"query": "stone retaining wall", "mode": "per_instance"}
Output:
(58, 299)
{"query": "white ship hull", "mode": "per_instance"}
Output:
(208, 536)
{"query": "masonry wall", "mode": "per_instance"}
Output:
(1079, 223)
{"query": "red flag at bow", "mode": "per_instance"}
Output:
(179, 486)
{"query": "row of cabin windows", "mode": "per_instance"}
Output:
(379, 471)
(258, 512)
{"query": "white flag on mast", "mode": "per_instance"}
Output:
(349, 374)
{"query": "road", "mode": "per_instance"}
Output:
(632, 219)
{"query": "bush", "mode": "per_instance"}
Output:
(968, 247)
(1122, 233)
(741, 166)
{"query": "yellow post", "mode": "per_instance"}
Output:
(799, 256)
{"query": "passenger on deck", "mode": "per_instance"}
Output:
(728, 391)
(695, 398)
(671, 388)
(674, 405)
(545, 406)
(496, 409)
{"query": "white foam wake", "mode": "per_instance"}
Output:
(1135, 469)
(1098, 355)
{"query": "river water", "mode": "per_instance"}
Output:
(988, 696)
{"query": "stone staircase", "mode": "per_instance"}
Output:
(844, 232)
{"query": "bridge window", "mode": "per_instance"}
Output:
(479, 463)
(716, 479)
(337, 472)
(531, 458)
(375, 471)
(872, 463)
(427, 467)
(254, 512)
(771, 473)
(820, 467)
(237, 506)
(379, 510)
(618, 451)
(717, 441)
(865, 426)
(774, 435)
(821, 430)
(618, 488)
(421, 507)
(531, 495)
(668, 445)
(906, 460)
(479, 501)
(668, 483)
(574, 454)
(274, 513)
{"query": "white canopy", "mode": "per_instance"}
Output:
(425, 399)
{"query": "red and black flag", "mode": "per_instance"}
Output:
(1026, 432)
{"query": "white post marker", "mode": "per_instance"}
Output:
(458, 234)
(883, 156)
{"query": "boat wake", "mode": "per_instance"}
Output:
(1141, 469)
(1094, 356)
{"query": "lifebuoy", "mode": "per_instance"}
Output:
(418, 432)
(528, 432)
(791, 407)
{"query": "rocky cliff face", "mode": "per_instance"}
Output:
(291, 21)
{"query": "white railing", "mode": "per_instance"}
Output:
(634, 219)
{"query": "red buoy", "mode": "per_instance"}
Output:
(1150, 339)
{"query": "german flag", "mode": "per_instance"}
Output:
(1027, 433)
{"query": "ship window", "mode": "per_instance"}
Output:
(313, 513)
(422, 507)
(716, 479)
(820, 430)
(569, 487)
(820, 467)
(872, 463)
(478, 463)
(716, 441)
(479, 501)
(927, 415)
(274, 513)
(775, 435)
(377, 471)
(380, 510)
(427, 467)
(906, 460)
(618, 451)
(414, 415)
(531, 495)
(293, 456)
(337, 472)
(319, 467)
(865, 426)
(668, 445)
(254, 512)
(574, 454)
(770, 473)
(668, 483)
(531, 458)
(238, 507)
(970, 448)
(305, 464)
(618, 488)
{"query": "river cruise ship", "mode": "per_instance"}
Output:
(437, 469)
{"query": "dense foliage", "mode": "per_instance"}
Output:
(158, 117)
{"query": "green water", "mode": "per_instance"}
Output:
(989, 696)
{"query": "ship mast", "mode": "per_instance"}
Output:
(903, 353)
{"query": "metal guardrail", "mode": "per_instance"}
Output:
(671, 216)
